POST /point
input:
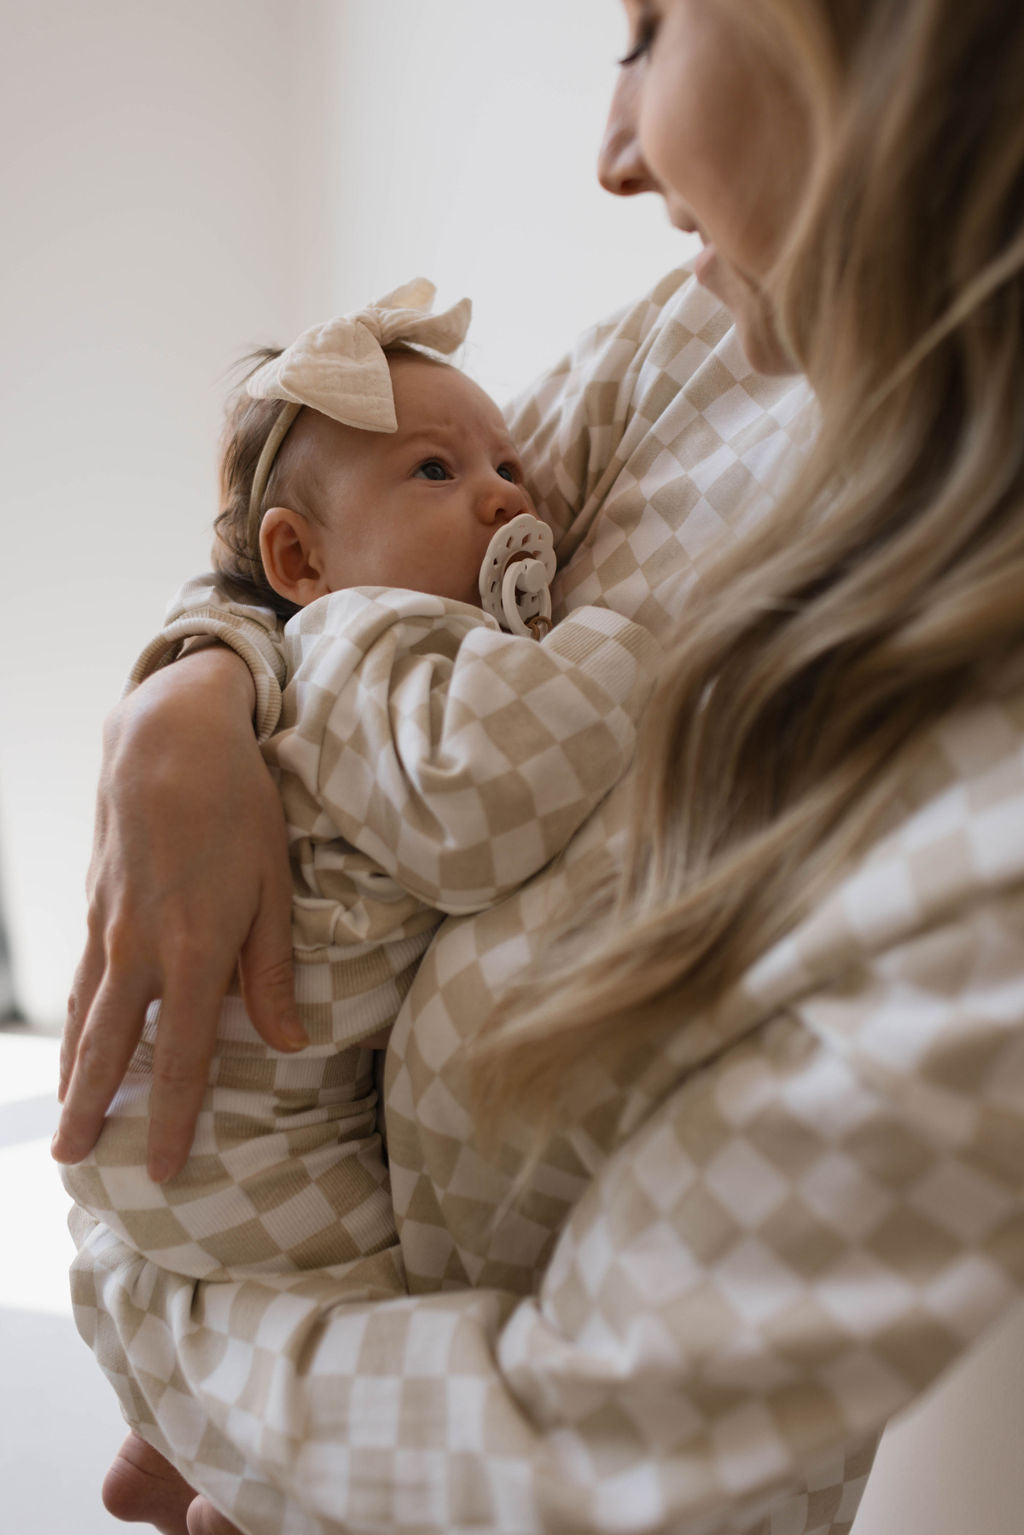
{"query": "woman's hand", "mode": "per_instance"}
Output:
(188, 882)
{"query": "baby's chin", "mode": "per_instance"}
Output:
(471, 598)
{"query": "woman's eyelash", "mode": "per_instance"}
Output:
(646, 31)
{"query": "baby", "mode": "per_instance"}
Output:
(428, 763)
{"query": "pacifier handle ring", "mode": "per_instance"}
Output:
(509, 598)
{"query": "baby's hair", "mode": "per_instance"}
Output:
(247, 425)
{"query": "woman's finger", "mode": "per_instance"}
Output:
(88, 976)
(104, 1046)
(194, 989)
(265, 964)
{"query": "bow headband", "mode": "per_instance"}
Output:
(339, 368)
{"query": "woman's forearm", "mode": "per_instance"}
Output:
(188, 882)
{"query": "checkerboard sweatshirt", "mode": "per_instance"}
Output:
(428, 763)
(695, 1310)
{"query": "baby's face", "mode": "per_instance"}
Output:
(417, 508)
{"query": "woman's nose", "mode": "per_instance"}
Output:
(621, 168)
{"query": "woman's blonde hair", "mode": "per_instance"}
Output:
(888, 581)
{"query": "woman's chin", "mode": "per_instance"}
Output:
(704, 266)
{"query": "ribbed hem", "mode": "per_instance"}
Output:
(256, 649)
(621, 656)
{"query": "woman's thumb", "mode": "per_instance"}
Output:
(267, 978)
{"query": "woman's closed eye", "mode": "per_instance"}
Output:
(431, 469)
(642, 35)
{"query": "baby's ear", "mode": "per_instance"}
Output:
(290, 551)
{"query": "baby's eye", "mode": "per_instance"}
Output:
(509, 472)
(432, 469)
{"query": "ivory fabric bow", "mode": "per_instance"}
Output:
(339, 368)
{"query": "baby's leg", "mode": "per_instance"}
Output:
(144, 1488)
(285, 1172)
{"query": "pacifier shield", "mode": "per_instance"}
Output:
(528, 541)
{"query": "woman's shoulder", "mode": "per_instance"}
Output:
(668, 333)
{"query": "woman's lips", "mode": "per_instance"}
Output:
(688, 225)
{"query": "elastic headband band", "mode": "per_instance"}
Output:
(278, 432)
(340, 368)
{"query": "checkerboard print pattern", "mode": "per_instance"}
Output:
(427, 762)
(771, 1235)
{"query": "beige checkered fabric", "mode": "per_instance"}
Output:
(457, 758)
(286, 1170)
(427, 763)
(760, 1242)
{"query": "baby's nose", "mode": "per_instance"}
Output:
(502, 500)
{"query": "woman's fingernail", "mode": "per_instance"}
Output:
(294, 1033)
(159, 1168)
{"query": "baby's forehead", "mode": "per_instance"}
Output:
(438, 409)
(431, 396)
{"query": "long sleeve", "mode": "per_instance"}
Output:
(790, 1249)
(204, 608)
(459, 758)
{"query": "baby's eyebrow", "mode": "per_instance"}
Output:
(450, 434)
(504, 445)
(428, 435)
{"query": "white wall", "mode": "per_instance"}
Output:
(150, 200)
(182, 180)
(465, 137)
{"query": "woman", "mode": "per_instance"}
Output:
(773, 1185)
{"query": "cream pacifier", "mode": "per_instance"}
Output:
(515, 574)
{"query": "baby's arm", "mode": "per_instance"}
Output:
(204, 610)
(460, 758)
